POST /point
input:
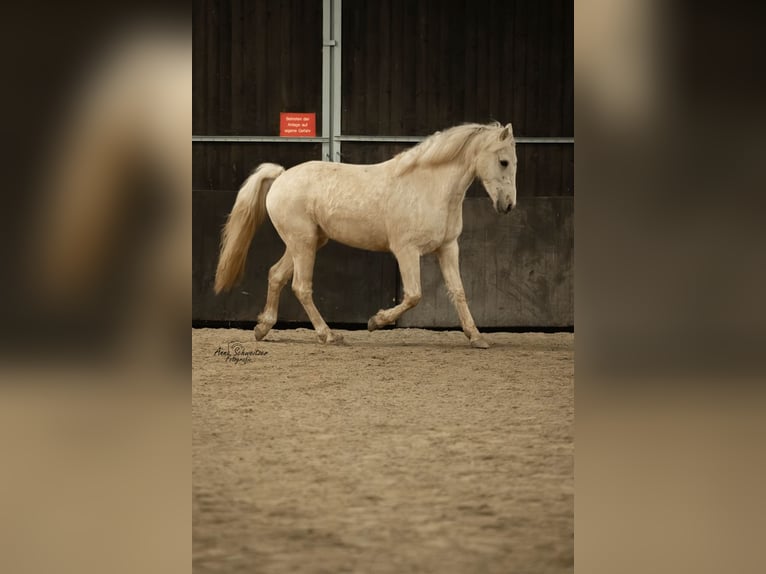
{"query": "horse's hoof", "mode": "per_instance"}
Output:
(480, 343)
(330, 338)
(372, 325)
(261, 331)
(335, 339)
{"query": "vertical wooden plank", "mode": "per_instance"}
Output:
(348, 65)
(360, 59)
(506, 63)
(254, 50)
(533, 97)
(421, 55)
(568, 170)
(432, 57)
(282, 56)
(223, 83)
(372, 83)
(288, 45)
(481, 62)
(533, 169)
(555, 89)
(525, 172)
(398, 106)
(440, 114)
(567, 106)
(520, 35)
(469, 79)
(199, 75)
(549, 169)
(224, 66)
(236, 57)
(273, 64)
(545, 88)
(212, 100)
(567, 127)
(533, 69)
(363, 63)
(306, 56)
(453, 38)
(354, 52)
(301, 63)
(384, 69)
(408, 57)
(556, 86)
(309, 73)
(494, 70)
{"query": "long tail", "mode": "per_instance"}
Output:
(245, 217)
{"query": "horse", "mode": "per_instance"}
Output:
(410, 205)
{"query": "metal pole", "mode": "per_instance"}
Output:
(255, 139)
(326, 78)
(417, 139)
(337, 14)
(357, 138)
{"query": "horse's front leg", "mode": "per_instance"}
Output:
(409, 268)
(303, 274)
(448, 255)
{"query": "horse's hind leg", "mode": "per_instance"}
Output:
(303, 261)
(409, 268)
(279, 275)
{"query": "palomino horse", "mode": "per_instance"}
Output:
(410, 205)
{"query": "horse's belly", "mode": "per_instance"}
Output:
(352, 214)
(355, 231)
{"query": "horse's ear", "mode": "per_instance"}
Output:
(507, 131)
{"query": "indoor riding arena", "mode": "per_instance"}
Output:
(404, 449)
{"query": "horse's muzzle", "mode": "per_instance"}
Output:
(504, 208)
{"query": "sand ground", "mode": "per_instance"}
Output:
(403, 451)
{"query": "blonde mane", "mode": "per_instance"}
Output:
(442, 147)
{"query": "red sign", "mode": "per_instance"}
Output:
(297, 125)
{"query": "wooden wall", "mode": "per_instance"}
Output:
(252, 60)
(411, 68)
(408, 68)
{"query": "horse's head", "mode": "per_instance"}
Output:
(496, 168)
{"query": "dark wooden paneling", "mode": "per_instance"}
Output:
(517, 269)
(252, 60)
(567, 80)
(350, 285)
(371, 152)
(225, 166)
(411, 68)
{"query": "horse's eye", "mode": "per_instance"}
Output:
(504, 162)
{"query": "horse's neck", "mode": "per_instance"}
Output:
(452, 180)
(458, 178)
